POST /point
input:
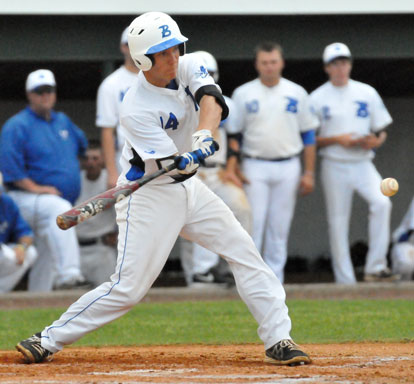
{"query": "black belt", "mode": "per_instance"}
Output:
(211, 165)
(87, 242)
(265, 159)
(94, 240)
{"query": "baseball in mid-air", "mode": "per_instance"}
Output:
(389, 186)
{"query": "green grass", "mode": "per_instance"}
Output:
(227, 322)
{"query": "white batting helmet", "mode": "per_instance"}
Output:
(210, 63)
(150, 33)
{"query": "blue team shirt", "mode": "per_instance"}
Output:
(12, 224)
(44, 151)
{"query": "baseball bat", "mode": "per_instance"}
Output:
(107, 199)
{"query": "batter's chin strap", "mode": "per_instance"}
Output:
(212, 90)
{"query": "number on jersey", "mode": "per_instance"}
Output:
(172, 122)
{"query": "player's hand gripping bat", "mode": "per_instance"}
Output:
(107, 199)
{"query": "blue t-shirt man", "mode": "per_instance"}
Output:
(45, 151)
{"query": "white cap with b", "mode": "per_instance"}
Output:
(335, 51)
(39, 78)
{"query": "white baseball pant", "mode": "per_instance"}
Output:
(340, 180)
(58, 250)
(235, 198)
(10, 271)
(149, 222)
(402, 256)
(272, 195)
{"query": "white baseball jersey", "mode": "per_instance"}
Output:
(106, 221)
(157, 125)
(355, 108)
(110, 95)
(272, 118)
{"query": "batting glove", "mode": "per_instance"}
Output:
(203, 141)
(188, 162)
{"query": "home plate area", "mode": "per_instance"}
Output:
(332, 363)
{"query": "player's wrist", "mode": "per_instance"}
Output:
(22, 246)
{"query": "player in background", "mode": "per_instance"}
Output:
(208, 266)
(97, 237)
(278, 126)
(40, 166)
(110, 95)
(17, 254)
(402, 252)
(352, 120)
(173, 107)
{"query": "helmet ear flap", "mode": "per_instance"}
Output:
(144, 62)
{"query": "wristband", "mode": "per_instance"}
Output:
(232, 152)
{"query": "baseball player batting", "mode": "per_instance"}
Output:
(172, 108)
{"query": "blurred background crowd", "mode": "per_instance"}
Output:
(64, 76)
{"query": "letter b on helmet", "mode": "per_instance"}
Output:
(150, 33)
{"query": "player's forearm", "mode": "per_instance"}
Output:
(232, 163)
(108, 149)
(309, 159)
(210, 114)
(381, 138)
(28, 185)
(326, 141)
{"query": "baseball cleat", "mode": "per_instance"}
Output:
(383, 276)
(286, 352)
(32, 350)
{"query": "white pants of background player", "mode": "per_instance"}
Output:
(340, 180)
(149, 222)
(58, 250)
(97, 262)
(10, 271)
(402, 256)
(235, 198)
(272, 197)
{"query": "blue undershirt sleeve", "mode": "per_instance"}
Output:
(19, 226)
(308, 137)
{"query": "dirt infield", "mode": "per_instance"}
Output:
(339, 363)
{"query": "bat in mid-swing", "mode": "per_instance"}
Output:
(109, 198)
(105, 200)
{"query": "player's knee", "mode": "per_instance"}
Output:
(61, 204)
(53, 205)
(381, 205)
(130, 295)
(404, 264)
(31, 255)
